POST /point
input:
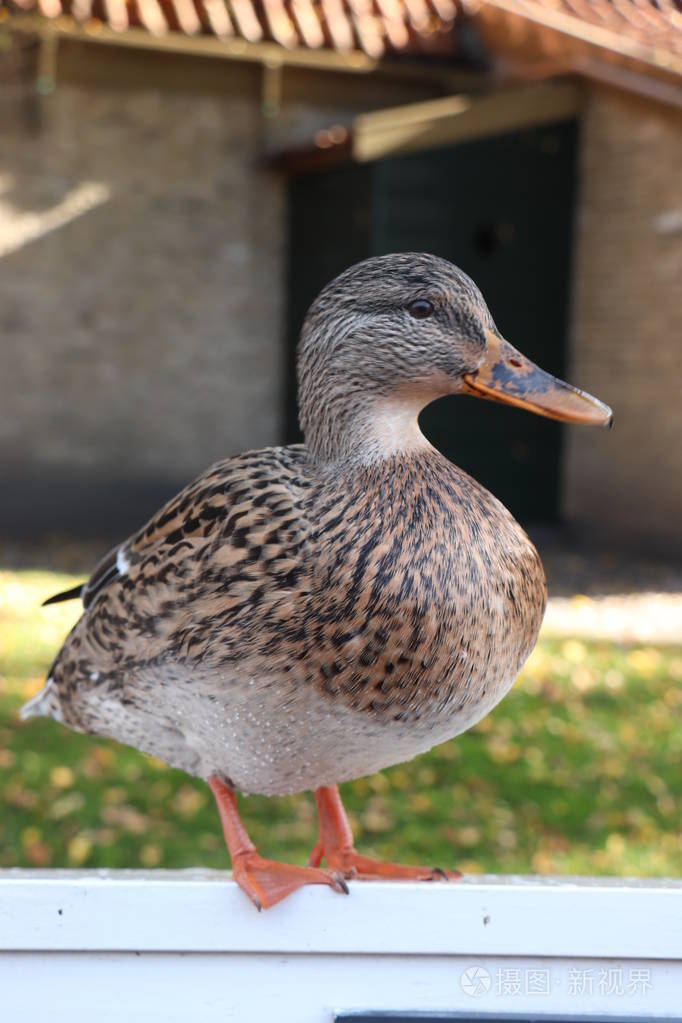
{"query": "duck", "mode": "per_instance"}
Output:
(303, 615)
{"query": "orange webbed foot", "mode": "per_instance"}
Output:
(351, 864)
(267, 882)
(335, 845)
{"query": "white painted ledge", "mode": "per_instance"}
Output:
(204, 911)
(163, 945)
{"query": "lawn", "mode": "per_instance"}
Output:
(578, 771)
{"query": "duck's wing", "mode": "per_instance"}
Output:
(171, 518)
(106, 570)
(210, 576)
(226, 502)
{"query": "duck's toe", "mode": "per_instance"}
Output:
(352, 864)
(335, 845)
(267, 882)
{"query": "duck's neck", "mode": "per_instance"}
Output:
(368, 431)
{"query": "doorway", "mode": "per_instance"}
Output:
(501, 208)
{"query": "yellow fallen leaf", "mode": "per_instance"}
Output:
(468, 836)
(62, 777)
(574, 651)
(78, 849)
(150, 855)
(644, 661)
(30, 835)
(615, 845)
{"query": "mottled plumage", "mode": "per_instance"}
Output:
(303, 615)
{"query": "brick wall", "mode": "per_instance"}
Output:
(627, 323)
(142, 305)
(142, 274)
(141, 302)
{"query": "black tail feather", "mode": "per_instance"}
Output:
(72, 594)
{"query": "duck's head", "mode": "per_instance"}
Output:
(392, 334)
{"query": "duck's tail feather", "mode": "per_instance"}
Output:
(44, 704)
(71, 594)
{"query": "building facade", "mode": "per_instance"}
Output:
(146, 267)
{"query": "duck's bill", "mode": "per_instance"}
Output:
(510, 377)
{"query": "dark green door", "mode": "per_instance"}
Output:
(501, 209)
(330, 228)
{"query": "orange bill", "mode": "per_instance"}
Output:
(510, 377)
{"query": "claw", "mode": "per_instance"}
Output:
(342, 884)
(446, 875)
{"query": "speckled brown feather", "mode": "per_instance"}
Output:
(302, 615)
(412, 600)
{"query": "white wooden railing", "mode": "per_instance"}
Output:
(188, 946)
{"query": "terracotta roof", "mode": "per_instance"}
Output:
(655, 23)
(523, 31)
(644, 31)
(376, 27)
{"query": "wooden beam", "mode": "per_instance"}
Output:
(442, 122)
(196, 45)
(354, 62)
(604, 73)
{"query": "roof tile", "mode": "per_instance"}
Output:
(246, 19)
(218, 20)
(307, 20)
(379, 27)
(150, 14)
(335, 15)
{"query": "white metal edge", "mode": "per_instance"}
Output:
(194, 912)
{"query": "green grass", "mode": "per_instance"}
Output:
(578, 771)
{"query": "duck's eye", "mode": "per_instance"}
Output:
(420, 308)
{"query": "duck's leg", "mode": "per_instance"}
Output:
(264, 881)
(335, 845)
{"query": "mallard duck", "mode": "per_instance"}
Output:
(300, 616)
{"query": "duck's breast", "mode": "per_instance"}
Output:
(426, 600)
